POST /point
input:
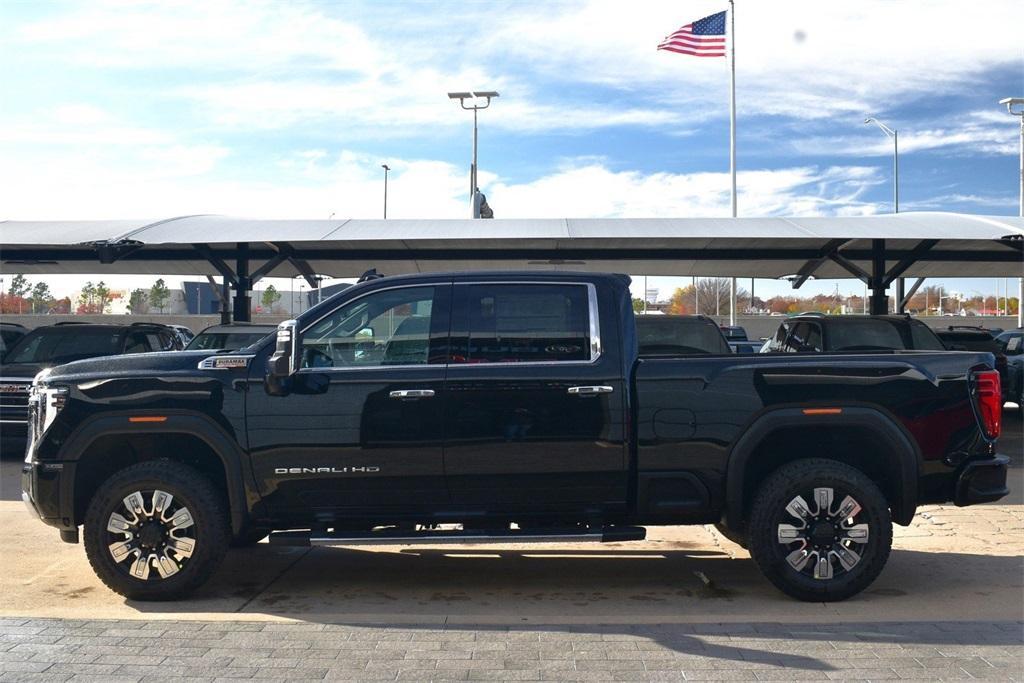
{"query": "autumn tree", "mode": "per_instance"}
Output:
(138, 301)
(271, 296)
(41, 297)
(159, 294)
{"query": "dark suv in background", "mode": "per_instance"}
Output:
(810, 332)
(52, 345)
(976, 338)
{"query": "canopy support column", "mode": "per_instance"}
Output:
(225, 302)
(243, 285)
(879, 301)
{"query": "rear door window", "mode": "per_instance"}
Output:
(864, 335)
(522, 323)
(923, 338)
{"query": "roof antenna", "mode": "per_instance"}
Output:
(371, 274)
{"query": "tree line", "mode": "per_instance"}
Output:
(23, 296)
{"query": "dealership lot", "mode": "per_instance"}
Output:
(686, 602)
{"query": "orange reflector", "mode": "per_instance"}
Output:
(822, 411)
(148, 418)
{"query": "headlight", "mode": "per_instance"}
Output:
(44, 404)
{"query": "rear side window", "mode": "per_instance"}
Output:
(806, 337)
(923, 337)
(864, 335)
(522, 323)
(677, 334)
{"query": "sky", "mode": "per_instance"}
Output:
(288, 109)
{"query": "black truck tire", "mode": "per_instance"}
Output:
(166, 522)
(820, 530)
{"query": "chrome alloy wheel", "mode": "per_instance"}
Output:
(160, 535)
(825, 540)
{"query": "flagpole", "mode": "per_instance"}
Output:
(732, 138)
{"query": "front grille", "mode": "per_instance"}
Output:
(14, 400)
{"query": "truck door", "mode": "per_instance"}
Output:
(362, 428)
(534, 409)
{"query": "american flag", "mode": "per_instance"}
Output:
(703, 38)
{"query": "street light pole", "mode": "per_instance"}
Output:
(1015, 106)
(895, 137)
(386, 169)
(474, 189)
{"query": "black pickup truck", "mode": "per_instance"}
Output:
(501, 407)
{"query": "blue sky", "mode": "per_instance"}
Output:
(288, 109)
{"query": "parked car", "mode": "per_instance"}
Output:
(679, 334)
(1012, 344)
(747, 346)
(184, 333)
(509, 408)
(51, 345)
(229, 337)
(966, 338)
(816, 332)
(734, 333)
(9, 334)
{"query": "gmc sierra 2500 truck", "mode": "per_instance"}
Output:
(501, 407)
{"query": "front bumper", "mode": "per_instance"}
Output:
(982, 481)
(46, 491)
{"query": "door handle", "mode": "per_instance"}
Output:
(412, 393)
(588, 391)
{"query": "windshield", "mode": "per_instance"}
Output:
(57, 345)
(208, 341)
(679, 335)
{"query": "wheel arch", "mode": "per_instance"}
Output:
(217, 441)
(899, 458)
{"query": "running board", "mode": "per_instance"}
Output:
(609, 534)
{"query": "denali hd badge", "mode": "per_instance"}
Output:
(369, 469)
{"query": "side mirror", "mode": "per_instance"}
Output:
(283, 363)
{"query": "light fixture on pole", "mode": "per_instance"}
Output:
(895, 137)
(1015, 106)
(386, 169)
(475, 198)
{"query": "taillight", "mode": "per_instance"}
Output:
(989, 398)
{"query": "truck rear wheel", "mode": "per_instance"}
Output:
(820, 530)
(156, 531)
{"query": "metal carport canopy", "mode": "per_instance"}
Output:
(921, 244)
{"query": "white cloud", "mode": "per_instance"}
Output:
(973, 133)
(313, 183)
(391, 72)
(595, 191)
(849, 58)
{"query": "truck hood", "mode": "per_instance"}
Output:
(136, 364)
(20, 370)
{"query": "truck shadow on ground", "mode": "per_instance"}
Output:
(606, 594)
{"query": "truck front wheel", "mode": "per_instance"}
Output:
(820, 530)
(156, 530)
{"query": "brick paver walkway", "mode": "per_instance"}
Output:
(111, 651)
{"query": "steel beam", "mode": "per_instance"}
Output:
(910, 295)
(831, 247)
(908, 260)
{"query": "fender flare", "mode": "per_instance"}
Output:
(907, 467)
(194, 424)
